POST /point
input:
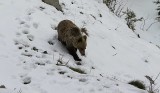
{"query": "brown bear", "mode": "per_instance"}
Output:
(71, 36)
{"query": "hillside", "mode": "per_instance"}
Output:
(149, 27)
(30, 50)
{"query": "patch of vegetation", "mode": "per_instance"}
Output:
(138, 84)
(131, 18)
(60, 62)
(78, 70)
(157, 2)
(111, 4)
(2, 86)
(115, 6)
(152, 86)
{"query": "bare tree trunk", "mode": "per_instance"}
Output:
(54, 3)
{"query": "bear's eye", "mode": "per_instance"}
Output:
(80, 40)
(82, 49)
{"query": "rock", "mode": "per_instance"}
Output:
(54, 3)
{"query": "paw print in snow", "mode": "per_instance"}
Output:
(25, 31)
(35, 25)
(30, 37)
(26, 80)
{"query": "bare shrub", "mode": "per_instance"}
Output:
(152, 86)
(115, 6)
(131, 18)
(157, 2)
(60, 62)
(138, 84)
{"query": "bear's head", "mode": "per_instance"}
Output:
(80, 44)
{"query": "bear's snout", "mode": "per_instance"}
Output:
(82, 52)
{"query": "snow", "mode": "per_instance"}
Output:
(30, 49)
(150, 30)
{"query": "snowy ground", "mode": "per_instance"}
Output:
(149, 28)
(30, 50)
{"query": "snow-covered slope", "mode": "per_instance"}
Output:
(149, 28)
(30, 50)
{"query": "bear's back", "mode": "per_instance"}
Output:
(67, 30)
(65, 25)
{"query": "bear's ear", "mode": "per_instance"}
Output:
(85, 37)
(83, 30)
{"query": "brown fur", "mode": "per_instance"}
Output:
(71, 36)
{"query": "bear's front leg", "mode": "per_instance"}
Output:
(72, 51)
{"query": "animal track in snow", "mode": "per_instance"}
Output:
(18, 34)
(51, 42)
(30, 37)
(41, 8)
(22, 22)
(21, 42)
(26, 80)
(35, 25)
(26, 26)
(25, 31)
(54, 27)
(30, 11)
